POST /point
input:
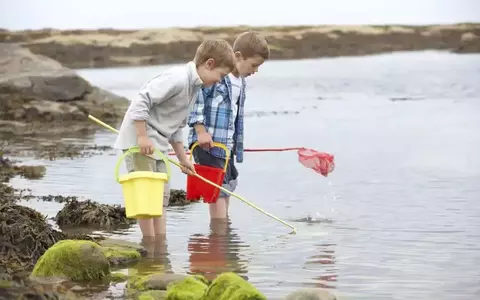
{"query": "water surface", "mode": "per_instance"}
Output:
(399, 218)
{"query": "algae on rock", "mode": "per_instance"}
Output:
(152, 295)
(230, 286)
(120, 256)
(189, 288)
(73, 259)
(118, 277)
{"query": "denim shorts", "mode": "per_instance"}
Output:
(230, 179)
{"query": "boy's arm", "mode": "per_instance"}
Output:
(154, 92)
(197, 119)
(197, 113)
(176, 141)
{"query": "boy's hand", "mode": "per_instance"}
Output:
(145, 145)
(187, 167)
(205, 140)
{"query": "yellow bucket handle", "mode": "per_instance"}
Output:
(136, 149)
(215, 144)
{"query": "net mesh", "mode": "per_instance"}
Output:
(320, 162)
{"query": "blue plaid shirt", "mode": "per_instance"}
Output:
(213, 109)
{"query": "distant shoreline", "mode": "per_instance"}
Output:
(117, 48)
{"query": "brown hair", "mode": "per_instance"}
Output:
(251, 43)
(218, 49)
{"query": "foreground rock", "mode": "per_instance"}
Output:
(110, 47)
(79, 260)
(227, 286)
(38, 95)
(73, 260)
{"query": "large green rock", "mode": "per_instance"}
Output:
(230, 286)
(73, 260)
(188, 289)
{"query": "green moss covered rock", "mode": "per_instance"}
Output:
(152, 295)
(121, 253)
(230, 286)
(118, 277)
(74, 260)
(154, 281)
(189, 288)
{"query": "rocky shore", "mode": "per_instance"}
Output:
(38, 95)
(38, 261)
(110, 47)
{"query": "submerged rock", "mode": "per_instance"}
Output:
(37, 90)
(118, 277)
(120, 252)
(152, 295)
(28, 290)
(73, 260)
(311, 294)
(155, 281)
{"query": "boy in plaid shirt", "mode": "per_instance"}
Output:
(217, 116)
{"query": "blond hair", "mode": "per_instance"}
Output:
(251, 43)
(218, 49)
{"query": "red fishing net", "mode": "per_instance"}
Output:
(320, 162)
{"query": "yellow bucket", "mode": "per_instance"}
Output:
(143, 190)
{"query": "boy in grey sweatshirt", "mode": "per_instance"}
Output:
(156, 117)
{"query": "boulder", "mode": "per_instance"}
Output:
(230, 286)
(38, 89)
(74, 260)
(189, 288)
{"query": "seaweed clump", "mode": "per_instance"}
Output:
(24, 236)
(178, 198)
(92, 214)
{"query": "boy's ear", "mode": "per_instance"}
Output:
(238, 55)
(210, 63)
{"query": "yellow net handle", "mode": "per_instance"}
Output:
(136, 149)
(215, 144)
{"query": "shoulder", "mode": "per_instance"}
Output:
(219, 88)
(173, 78)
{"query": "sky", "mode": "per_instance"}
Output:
(128, 14)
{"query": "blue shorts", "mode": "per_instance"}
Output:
(230, 179)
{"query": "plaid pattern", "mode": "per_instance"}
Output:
(212, 107)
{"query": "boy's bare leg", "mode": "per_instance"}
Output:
(146, 226)
(227, 203)
(219, 226)
(219, 210)
(160, 224)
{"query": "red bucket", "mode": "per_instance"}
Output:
(197, 188)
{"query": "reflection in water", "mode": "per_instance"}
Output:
(157, 260)
(218, 252)
(325, 263)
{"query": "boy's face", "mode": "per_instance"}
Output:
(249, 66)
(211, 74)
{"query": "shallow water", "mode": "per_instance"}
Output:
(399, 218)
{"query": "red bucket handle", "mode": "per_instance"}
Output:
(215, 144)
